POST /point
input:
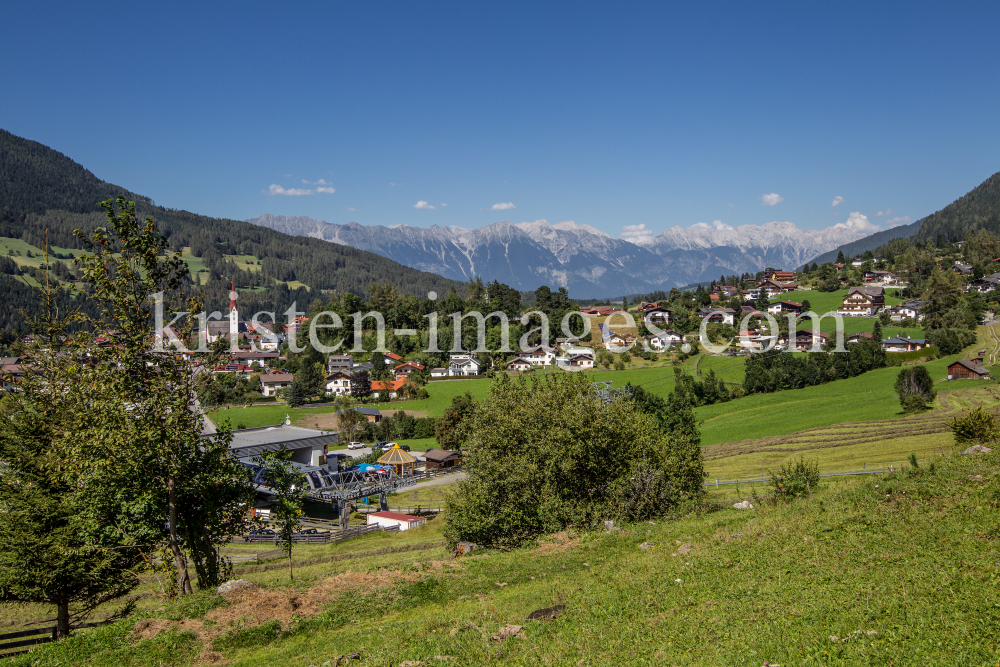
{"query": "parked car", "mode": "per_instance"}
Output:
(308, 531)
(405, 448)
(382, 445)
(355, 445)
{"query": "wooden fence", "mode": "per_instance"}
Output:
(318, 538)
(38, 636)
(409, 509)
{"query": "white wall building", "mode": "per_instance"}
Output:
(392, 519)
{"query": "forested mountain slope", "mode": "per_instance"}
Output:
(41, 189)
(978, 209)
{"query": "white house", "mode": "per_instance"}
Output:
(909, 310)
(616, 341)
(518, 364)
(463, 364)
(439, 372)
(665, 339)
(392, 519)
(269, 343)
(270, 383)
(718, 315)
(540, 355)
(339, 382)
(785, 307)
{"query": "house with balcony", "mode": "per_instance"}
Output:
(864, 301)
(339, 382)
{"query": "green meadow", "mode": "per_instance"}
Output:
(884, 570)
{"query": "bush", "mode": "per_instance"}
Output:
(915, 388)
(794, 480)
(915, 403)
(977, 426)
(546, 453)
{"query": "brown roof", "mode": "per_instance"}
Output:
(439, 454)
(277, 377)
(971, 365)
(867, 291)
(255, 355)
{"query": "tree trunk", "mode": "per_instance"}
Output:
(290, 577)
(183, 578)
(62, 618)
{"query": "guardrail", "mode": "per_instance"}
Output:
(894, 466)
(49, 632)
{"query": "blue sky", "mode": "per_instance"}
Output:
(608, 114)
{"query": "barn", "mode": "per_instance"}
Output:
(967, 369)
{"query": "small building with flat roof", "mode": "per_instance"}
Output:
(394, 520)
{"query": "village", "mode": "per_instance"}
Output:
(742, 313)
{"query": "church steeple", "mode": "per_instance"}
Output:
(234, 315)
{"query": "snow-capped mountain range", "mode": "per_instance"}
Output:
(588, 262)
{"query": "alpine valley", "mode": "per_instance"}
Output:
(588, 262)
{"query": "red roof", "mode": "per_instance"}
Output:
(393, 356)
(409, 518)
(380, 385)
(410, 364)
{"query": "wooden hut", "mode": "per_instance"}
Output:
(967, 369)
(442, 458)
(398, 459)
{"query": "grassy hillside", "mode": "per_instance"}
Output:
(887, 570)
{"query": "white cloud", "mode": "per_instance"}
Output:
(351, 208)
(325, 188)
(444, 205)
(884, 214)
(858, 223)
(423, 204)
(772, 199)
(896, 222)
(290, 192)
(288, 175)
(636, 234)
(837, 201)
(502, 206)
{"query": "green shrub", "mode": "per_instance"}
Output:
(976, 426)
(915, 388)
(547, 453)
(794, 480)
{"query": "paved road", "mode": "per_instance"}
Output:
(437, 481)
